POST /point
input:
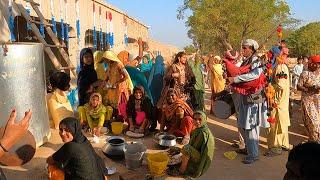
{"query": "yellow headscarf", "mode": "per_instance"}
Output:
(113, 57)
(97, 111)
(99, 67)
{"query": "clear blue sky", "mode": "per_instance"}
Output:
(161, 16)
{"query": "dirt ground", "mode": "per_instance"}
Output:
(225, 132)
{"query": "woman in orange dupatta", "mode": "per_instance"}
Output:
(124, 57)
(176, 116)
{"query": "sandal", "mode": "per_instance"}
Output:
(249, 160)
(271, 153)
(131, 129)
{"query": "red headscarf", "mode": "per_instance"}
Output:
(315, 59)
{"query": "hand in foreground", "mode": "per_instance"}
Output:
(96, 131)
(15, 130)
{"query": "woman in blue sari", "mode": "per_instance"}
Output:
(155, 82)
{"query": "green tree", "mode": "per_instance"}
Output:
(305, 40)
(190, 49)
(216, 23)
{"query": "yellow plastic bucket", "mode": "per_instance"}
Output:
(157, 163)
(117, 127)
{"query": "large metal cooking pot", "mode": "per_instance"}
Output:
(114, 147)
(167, 140)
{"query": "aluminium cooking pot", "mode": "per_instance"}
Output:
(167, 140)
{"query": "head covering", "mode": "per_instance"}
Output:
(86, 77)
(73, 125)
(124, 57)
(111, 56)
(82, 53)
(97, 56)
(139, 87)
(146, 67)
(203, 118)
(60, 80)
(99, 67)
(155, 82)
(217, 58)
(275, 51)
(251, 42)
(95, 112)
(202, 140)
(170, 109)
(315, 59)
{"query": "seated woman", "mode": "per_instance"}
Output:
(58, 103)
(76, 158)
(93, 113)
(176, 116)
(197, 155)
(139, 110)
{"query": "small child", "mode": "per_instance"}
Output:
(233, 70)
(297, 70)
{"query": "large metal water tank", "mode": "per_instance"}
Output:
(22, 85)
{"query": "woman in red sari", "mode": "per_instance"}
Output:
(176, 116)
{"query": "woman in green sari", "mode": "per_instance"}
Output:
(197, 155)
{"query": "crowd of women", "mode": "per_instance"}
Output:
(142, 92)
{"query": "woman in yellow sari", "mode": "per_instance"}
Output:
(218, 83)
(118, 82)
(100, 69)
(98, 66)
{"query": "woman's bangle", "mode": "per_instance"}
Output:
(4, 149)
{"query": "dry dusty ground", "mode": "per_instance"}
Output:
(225, 133)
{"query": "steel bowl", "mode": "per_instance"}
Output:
(167, 140)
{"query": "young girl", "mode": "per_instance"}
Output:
(139, 109)
(93, 113)
(58, 103)
(87, 76)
